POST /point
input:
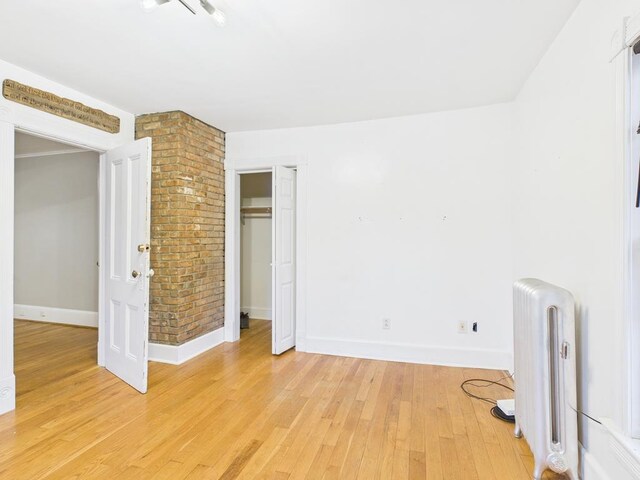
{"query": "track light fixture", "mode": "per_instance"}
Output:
(217, 14)
(151, 4)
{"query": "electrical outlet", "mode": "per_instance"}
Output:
(386, 324)
(463, 327)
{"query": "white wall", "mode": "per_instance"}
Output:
(409, 219)
(568, 195)
(255, 248)
(56, 232)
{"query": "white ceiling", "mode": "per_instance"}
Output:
(282, 63)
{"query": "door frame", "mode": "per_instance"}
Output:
(71, 135)
(233, 170)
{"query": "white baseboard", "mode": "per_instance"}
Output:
(64, 316)
(7, 394)
(400, 352)
(624, 450)
(257, 313)
(591, 469)
(606, 453)
(178, 354)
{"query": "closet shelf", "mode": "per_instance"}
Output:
(258, 210)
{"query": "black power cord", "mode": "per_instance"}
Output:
(483, 383)
(500, 415)
(495, 411)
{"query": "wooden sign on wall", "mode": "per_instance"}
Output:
(62, 107)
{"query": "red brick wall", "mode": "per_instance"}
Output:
(187, 226)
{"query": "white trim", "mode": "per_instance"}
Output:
(627, 172)
(264, 164)
(257, 313)
(232, 257)
(618, 44)
(179, 354)
(102, 255)
(626, 176)
(625, 450)
(591, 468)
(626, 36)
(404, 352)
(51, 153)
(275, 223)
(302, 215)
(233, 169)
(7, 378)
(632, 29)
(64, 316)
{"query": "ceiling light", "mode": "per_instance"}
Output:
(217, 14)
(151, 4)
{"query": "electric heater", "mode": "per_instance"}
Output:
(545, 375)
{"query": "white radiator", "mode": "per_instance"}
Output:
(545, 375)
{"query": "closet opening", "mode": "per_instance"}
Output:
(255, 257)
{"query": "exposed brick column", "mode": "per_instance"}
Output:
(187, 226)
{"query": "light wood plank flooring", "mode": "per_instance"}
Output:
(238, 412)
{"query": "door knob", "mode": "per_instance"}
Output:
(135, 274)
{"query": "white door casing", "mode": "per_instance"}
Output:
(14, 116)
(284, 255)
(7, 160)
(126, 268)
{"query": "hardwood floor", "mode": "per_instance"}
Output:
(239, 412)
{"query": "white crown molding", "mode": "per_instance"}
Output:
(51, 153)
(179, 354)
(64, 316)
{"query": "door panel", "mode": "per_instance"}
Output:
(284, 286)
(128, 203)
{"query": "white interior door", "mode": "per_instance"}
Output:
(284, 255)
(126, 269)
